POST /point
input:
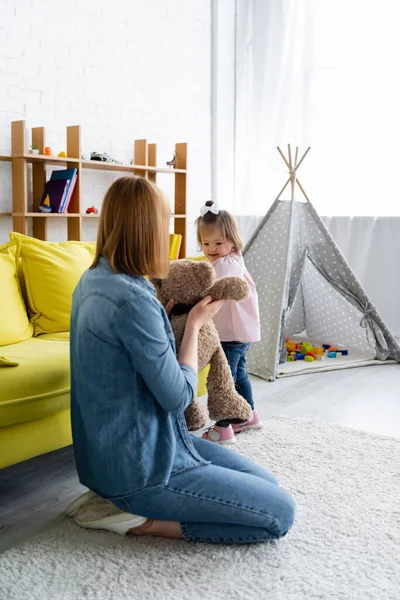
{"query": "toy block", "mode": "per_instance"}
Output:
(319, 357)
(310, 354)
(318, 350)
(326, 346)
(306, 347)
(290, 359)
(344, 352)
(331, 354)
(308, 358)
(333, 349)
(300, 357)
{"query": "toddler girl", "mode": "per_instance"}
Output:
(238, 323)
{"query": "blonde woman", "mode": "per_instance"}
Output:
(146, 473)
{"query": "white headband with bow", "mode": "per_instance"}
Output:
(214, 208)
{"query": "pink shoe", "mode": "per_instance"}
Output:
(255, 423)
(220, 435)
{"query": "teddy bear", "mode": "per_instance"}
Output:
(187, 283)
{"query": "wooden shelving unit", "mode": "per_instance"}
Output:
(145, 156)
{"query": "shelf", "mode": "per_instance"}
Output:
(49, 215)
(105, 166)
(65, 215)
(54, 160)
(90, 164)
(30, 171)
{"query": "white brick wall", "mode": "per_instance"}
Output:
(122, 70)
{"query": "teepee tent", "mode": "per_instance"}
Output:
(308, 292)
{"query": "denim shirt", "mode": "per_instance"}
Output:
(128, 391)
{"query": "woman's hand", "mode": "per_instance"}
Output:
(169, 307)
(203, 311)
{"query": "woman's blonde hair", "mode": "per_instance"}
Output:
(225, 221)
(133, 230)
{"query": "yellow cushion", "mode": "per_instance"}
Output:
(51, 273)
(39, 386)
(14, 323)
(175, 241)
(25, 440)
(201, 257)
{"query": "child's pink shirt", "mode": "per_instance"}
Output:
(237, 321)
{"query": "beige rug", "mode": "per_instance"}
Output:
(345, 543)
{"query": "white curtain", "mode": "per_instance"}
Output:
(323, 73)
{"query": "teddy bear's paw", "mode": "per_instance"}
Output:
(230, 407)
(231, 288)
(196, 416)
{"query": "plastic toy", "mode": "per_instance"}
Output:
(92, 210)
(171, 163)
(103, 157)
(306, 351)
(62, 154)
(306, 347)
(48, 151)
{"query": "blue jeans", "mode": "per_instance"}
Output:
(235, 353)
(231, 501)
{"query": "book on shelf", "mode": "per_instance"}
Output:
(54, 195)
(71, 176)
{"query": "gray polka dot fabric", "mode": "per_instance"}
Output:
(305, 286)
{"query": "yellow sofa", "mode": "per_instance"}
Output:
(34, 352)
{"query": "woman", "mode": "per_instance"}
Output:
(129, 392)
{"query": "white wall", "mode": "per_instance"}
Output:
(123, 71)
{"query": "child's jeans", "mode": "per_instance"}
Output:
(236, 353)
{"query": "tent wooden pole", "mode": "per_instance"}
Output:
(303, 157)
(295, 157)
(284, 157)
(302, 189)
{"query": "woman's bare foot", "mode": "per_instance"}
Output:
(167, 529)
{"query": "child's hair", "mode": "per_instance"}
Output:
(226, 223)
(133, 229)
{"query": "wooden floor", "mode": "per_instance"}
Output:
(34, 494)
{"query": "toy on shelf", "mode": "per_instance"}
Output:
(103, 157)
(171, 163)
(62, 154)
(92, 210)
(34, 149)
(47, 151)
(309, 353)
